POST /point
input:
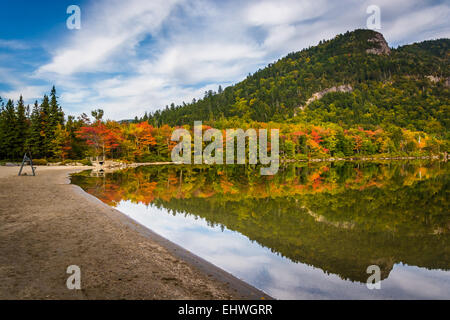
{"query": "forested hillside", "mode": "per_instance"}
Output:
(346, 97)
(406, 87)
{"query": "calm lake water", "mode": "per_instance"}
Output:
(309, 232)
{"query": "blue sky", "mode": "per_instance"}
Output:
(140, 55)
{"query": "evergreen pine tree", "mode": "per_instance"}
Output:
(47, 131)
(55, 118)
(2, 130)
(56, 113)
(21, 128)
(9, 131)
(35, 138)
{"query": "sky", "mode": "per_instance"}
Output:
(134, 56)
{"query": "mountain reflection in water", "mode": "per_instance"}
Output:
(309, 232)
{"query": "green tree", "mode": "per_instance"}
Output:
(35, 140)
(61, 143)
(46, 128)
(22, 127)
(9, 131)
(2, 129)
(97, 114)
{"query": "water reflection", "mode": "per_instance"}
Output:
(309, 232)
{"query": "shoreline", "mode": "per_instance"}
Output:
(112, 166)
(47, 224)
(243, 288)
(109, 169)
(367, 158)
(118, 165)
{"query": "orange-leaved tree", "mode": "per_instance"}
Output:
(101, 138)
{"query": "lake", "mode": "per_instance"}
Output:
(309, 232)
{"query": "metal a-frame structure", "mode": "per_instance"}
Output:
(30, 162)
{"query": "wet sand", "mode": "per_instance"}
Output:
(47, 224)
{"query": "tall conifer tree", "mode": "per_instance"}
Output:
(35, 138)
(46, 127)
(21, 128)
(9, 130)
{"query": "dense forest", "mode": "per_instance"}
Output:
(348, 96)
(407, 87)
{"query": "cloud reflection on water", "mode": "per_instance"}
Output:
(274, 274)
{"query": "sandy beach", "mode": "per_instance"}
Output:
(47, 224)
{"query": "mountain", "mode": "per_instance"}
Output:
(354, 79)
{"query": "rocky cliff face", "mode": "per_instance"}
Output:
(436, 79)
(380, 45)
(320, 94)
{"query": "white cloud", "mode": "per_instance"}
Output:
(115, 30)
(76, 96)
(190, 63)
(135, 56)
(284, 12)
(29, 93)
(280, 35)
(420, 24)
(13, 44)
